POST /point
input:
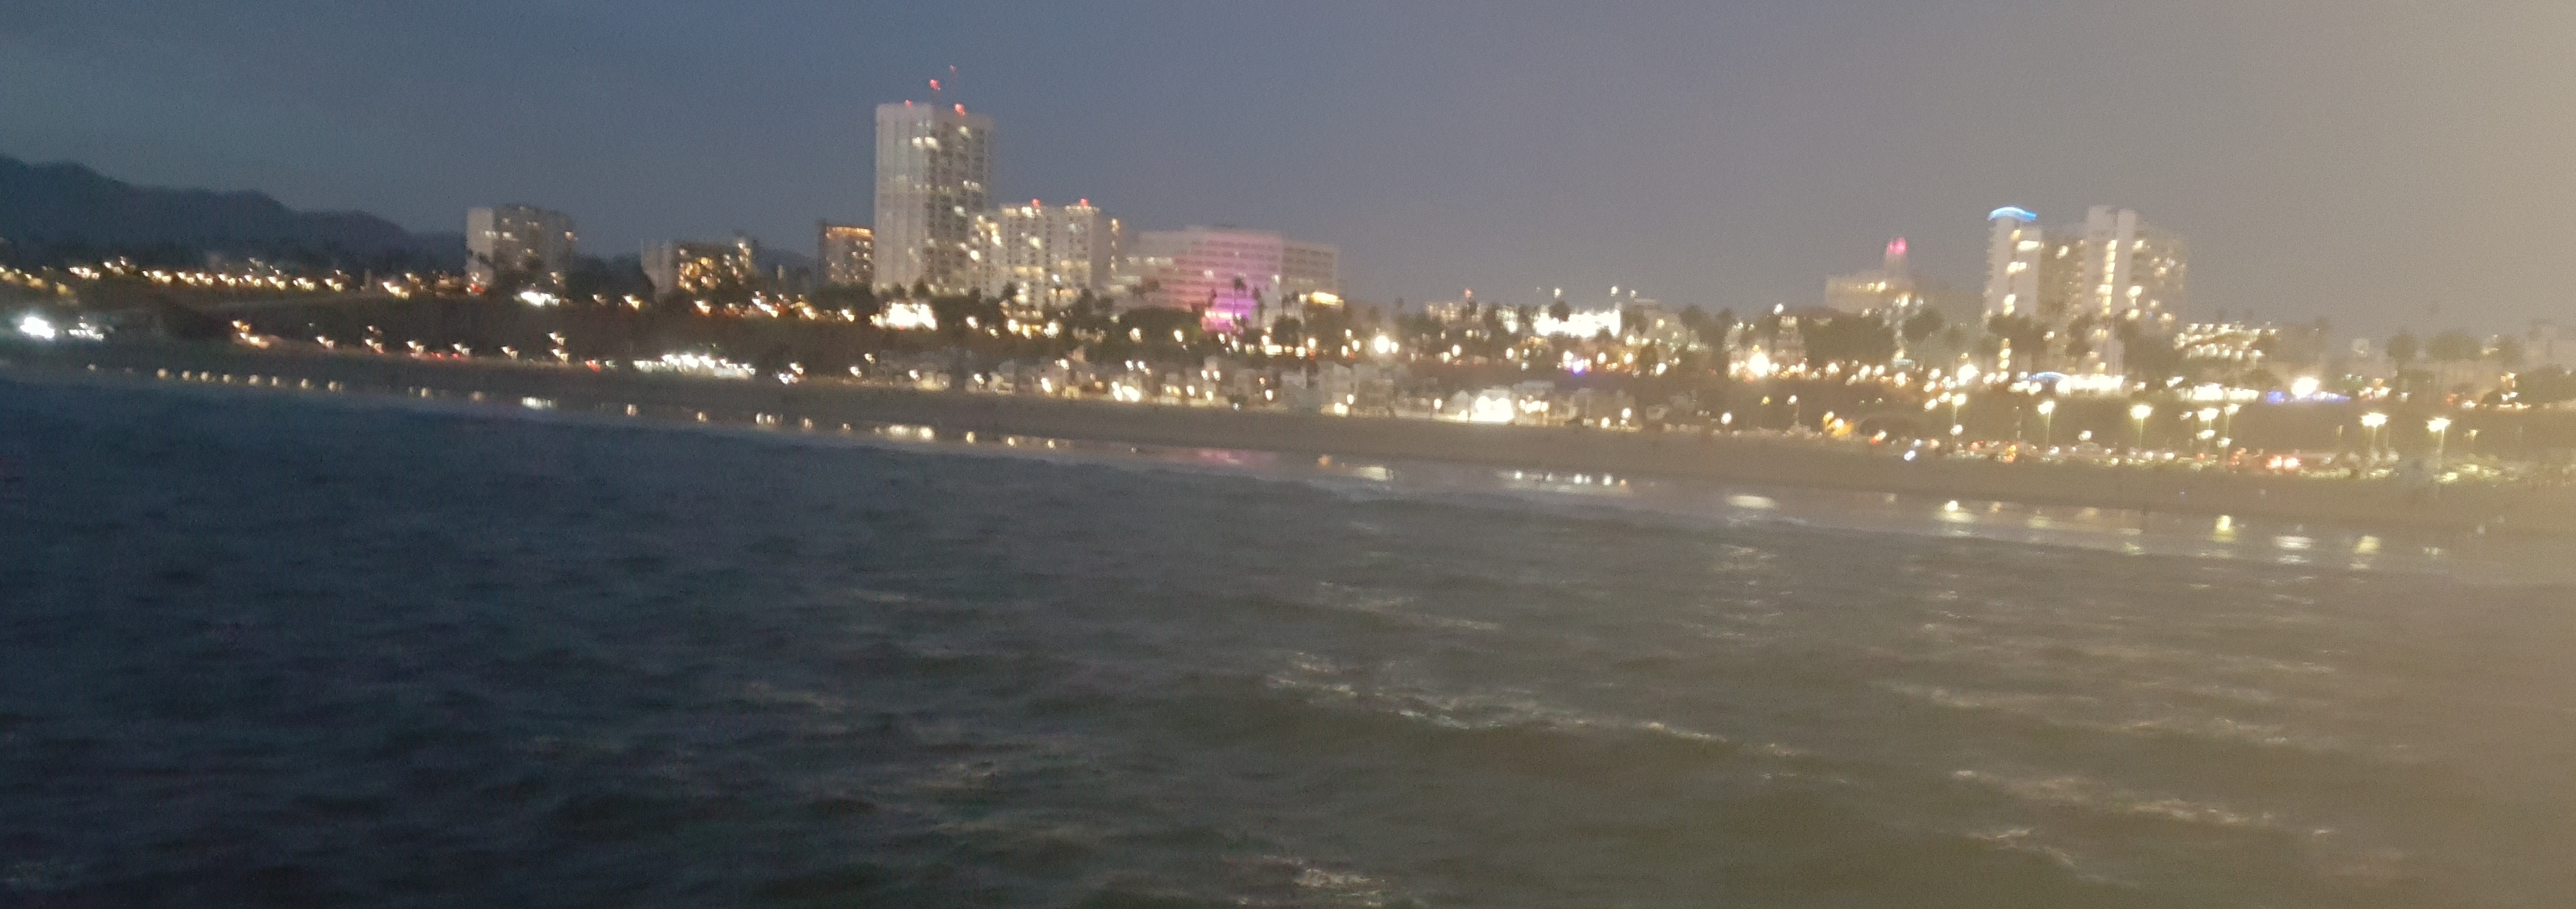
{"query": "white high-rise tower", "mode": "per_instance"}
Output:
(934, 175)
(2012, 262)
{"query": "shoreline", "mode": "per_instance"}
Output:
(1728, 459)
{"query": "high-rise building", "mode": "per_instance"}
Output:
(934, 175)
(2082, 284)
(2013, 248)
(2130, 267)
(1240, 276)
(684, 267)
(845, 254)
(522, 240)
(2133, 273)
(1051, 254)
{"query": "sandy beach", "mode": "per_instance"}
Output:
(1739, 459)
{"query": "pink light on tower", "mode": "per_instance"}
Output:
(1895, 264)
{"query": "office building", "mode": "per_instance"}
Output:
(934, 174)
(524, 241)
(845, 254)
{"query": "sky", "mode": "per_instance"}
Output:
(2377, 163)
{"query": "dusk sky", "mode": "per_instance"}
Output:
(2361, 160)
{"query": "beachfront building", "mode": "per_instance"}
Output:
(1051, 254)
(524, 241)
(934, 176)
(845, 254)
(689, 267)
(1242, 277)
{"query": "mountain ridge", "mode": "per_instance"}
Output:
(65, 206)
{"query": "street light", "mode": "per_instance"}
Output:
(2047, 412)
(2207, 415)
(2441, 427)
(2372, 421)
(2139, 414)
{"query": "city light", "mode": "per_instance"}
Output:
(1492, 406)
(908, 316)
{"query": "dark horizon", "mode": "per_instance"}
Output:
(2363, 163)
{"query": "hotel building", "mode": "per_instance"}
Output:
(1242, 277)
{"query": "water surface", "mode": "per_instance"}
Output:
(260, 650)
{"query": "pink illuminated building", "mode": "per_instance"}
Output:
(1241, 277)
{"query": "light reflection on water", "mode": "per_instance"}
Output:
(2470, 556)
(2121, 530)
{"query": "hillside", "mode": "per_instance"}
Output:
(59, 209)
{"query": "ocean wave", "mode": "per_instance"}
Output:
(2077, 792)
(1318, 681)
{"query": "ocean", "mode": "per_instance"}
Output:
(277, 649)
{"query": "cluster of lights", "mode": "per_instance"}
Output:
(697, 364)
(36, 326)
(907, 315)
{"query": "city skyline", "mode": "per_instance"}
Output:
(1748, 152)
